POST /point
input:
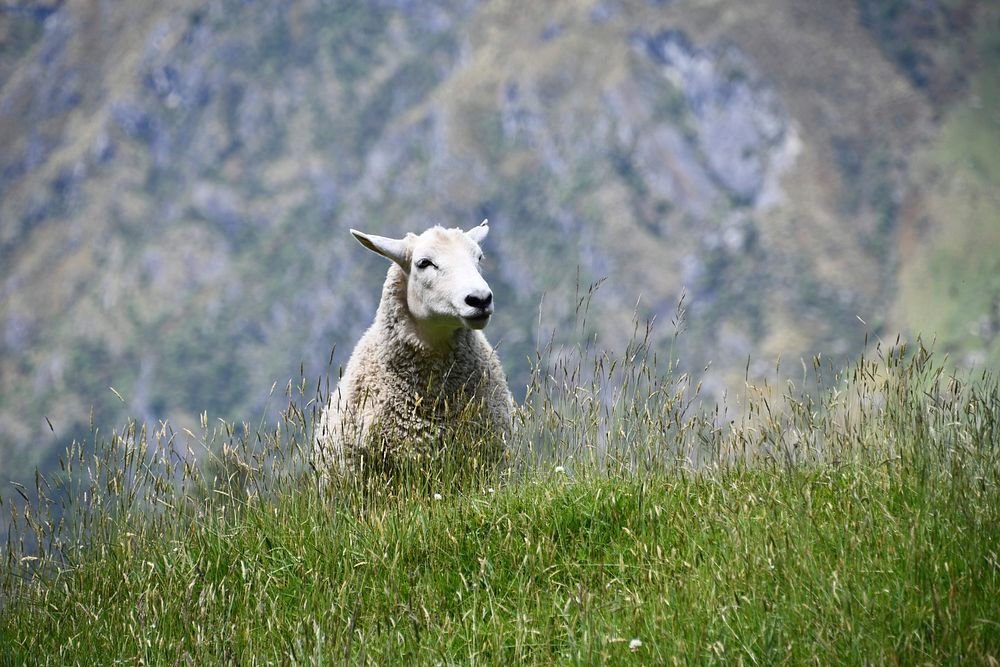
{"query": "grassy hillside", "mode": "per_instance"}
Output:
(859, 528)
(176, 184)
(177, 181)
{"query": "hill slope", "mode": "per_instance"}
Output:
(859, 526)
(176, 185)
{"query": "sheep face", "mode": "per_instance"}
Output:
(445, 289)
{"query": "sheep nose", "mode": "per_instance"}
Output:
(481, 300)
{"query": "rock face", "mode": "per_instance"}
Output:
(177, 183)
(740, 125)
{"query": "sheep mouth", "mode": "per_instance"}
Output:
(477, 321)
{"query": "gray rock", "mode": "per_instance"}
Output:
(739, 121)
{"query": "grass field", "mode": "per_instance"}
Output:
(858, 522)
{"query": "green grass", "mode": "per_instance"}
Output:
(855, 524)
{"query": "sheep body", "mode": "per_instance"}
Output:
(402, 398)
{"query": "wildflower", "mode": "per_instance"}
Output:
(490, 490)
(560, 469)
(437, 496)
(635, 645)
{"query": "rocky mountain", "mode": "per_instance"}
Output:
(177, 181)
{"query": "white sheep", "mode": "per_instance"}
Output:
(423, 377)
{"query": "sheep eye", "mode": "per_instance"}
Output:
(424, 263)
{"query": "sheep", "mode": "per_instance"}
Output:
(423, 377)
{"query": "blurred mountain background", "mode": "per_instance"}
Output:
(177, 181)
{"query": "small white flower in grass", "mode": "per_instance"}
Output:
(491, 491)
(560, 469)
(635, 645)
(437, 496)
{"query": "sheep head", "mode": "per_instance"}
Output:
(445, 288)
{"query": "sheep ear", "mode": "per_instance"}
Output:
(397, 250)
(479, 232)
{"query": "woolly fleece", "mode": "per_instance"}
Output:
(399, 399)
